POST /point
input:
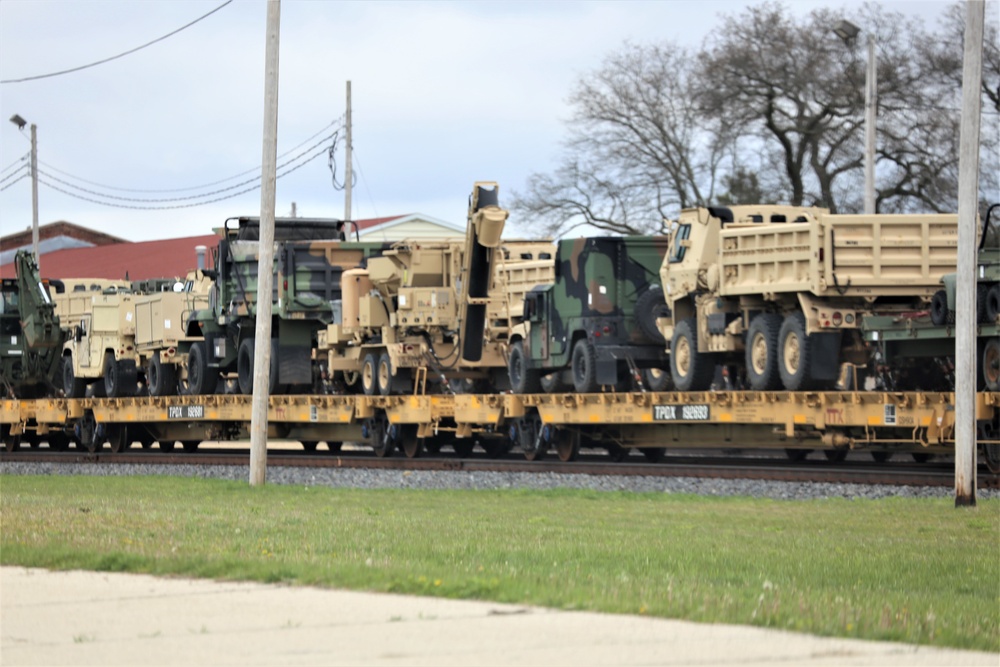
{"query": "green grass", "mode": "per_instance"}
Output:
(899, 569)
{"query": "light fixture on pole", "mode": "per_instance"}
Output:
(849, 32)
(20, 122)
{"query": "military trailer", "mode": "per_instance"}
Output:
(30, 336)
(595, 325)
(429, 312)
(777, 293)
(310, 258)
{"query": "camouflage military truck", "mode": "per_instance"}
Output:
(916, 349)
(310, 259)
(777, 293)
(595, 325)
(99, 352)
(427, 311)
(30, 337)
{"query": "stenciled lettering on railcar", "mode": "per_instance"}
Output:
(185, 412)
(668, 413)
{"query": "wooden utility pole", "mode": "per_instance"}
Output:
(965, 287)
(265, 265)
(348, 160)
(871, 106)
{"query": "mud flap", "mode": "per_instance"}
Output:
(825, 356)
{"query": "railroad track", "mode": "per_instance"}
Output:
(937, 474)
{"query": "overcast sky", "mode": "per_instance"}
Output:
(444, 94)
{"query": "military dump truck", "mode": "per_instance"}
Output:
(595, 325)
(916, 349)
(99, 352)
(310, 259)
(777, 292)
(428, 311)
(30, 337)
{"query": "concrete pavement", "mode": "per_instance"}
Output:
(96, 618)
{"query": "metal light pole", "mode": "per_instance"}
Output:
(20, 122)
(848, 32)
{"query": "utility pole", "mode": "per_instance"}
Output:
(265, 262)
(20, 123)
(349, 165)
(871, 104)
(965, 284)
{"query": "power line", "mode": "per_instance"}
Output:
(19, 160)
(14, 173)
(120, 55)
(23, 176)
(193, 187)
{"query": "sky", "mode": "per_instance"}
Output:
(443, 94)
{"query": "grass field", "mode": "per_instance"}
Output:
(899, 569)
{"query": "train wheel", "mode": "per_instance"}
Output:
(412, 446)
(617, 453)
(922, 457)
(523, 379)
(762, 352)
(310, 445)
(333, 447)
(567, 445)
(11, 443)
(881, 457)
(117, 438)
(201, 379)
(991, 364)
(654, 454)
(73, 386)
(528, 432)
(384, 374)
(690, 369)
(584, 365)
(369, 381)
(991, 455)
(167, 446)
(381, 440)
(797, 454)
(190, 446)
(835, 455)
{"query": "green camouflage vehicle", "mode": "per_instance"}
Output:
(309, 259)
(595, 326)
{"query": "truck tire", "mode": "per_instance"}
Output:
(384, 373)
(523, 380)
(553, 383)
(991, 364)
(690, 370)
(369, 374)
(119, 377)
(244, 367)
(584, 365)
(161, 378)
(73, 386)
(993, 303)
(649, 306)
(762, 352)
(201, 379)
(794, 353)
(657, 379)
(982, 294)
(940, 315)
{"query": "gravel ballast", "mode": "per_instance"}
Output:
(360, 478)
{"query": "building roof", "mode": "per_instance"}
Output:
(54, 236)
(391, 228)
(140, 260)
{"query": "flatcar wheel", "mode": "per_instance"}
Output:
(310, 445)
(922, 457)
(412, 446)
(797, 454)
(567, 445)
(881, 457)
(190, 446)
(117, 438)
(835, 455)
(11, 443)
(991, 364)
(379, 434)
(991, 454)
(617, 453)
(654, 454)
(333, 447)
(530, 436)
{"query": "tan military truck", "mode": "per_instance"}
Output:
(777, 292)
(100, 350)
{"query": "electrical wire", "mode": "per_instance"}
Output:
(14, 173)
(120, 55)
(188, 197)
(23, 176)
(193, 187)
(178, 206)
(16, 162)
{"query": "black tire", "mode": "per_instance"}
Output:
(73, 386)
(991, 364)
(369, 374)
(762, 352)
(523, 380)
(690, 370)
(161, 378)
(982, 294)
(993, 303)
(584, 365)
(201, 379)
(648, 307)
(940, 314)
(794, 353)
(657, 379)
(119, 377)
(553, 383)
(244, 367)
(384, 374)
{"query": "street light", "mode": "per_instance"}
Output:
(20, 122)
(848, 32)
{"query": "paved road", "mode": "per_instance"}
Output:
(94, 618)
